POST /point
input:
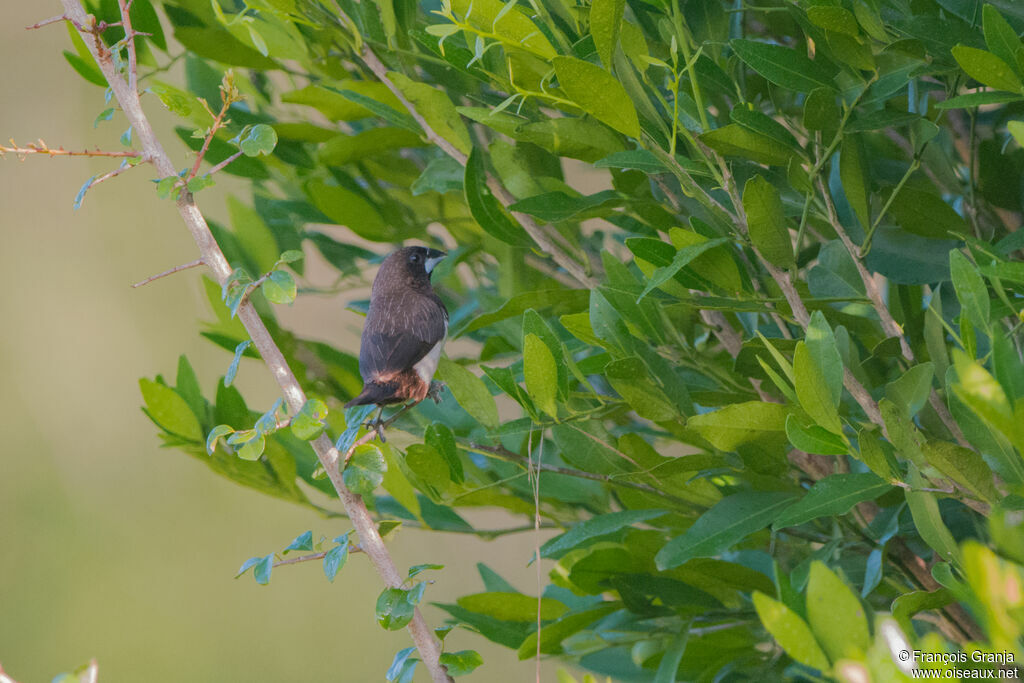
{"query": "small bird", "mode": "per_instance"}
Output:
(405, 331)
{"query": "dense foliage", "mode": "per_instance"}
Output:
(771, 372)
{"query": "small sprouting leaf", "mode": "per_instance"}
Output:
(200, 182)
(462, 662)
(252, 449)
(80, 197)
(279, 287)
(354, 421)
(402, 664)
(365, 470)
(126, 137)
(308, 423)
(229, 377)
(303, 541)
(395, 606)
(291, 256)
(335, 558)
(169, 187)
(417, 569)
(216, 434)
(261, 567)
(260, 140)
(104, 115)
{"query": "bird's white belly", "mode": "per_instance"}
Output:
(428, 364)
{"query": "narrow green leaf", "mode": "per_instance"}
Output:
(814, 439)
(668, 667)
(598, 93)
(924, 509)
(834, 495)
(767, 222)
(1000, 37)
(741, 423)
(593, 528)
(790, 631)
(782, 66)
(728, 522)
(836, 615)
(485, 209)
(970, 289)
(963, 466)
(911, 389)
(682, 259)
(853, 172)
(986, 68)
(605, 24)
(470, 392)
(512, 606)
(813, 391)
(540, 374)
(736, 140)
(925, 214)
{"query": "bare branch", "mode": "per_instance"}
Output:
(40, 24)
(224, 163)
(313, 557)
(171, 271)
(129, 35)
(40, 147)
(370, 539)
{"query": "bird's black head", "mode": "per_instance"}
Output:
(409, 266)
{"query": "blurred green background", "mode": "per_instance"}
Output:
(111, 547)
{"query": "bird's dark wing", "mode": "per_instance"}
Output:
(399, 332)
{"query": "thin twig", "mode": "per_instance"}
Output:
(224, 163)
(40, 24)
(369, 537)
(505, 454)
(171, 271)
(313, 557)
(129, 36)
(40, 147)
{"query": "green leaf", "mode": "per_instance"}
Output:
(365, 470)
(303, 541)
(634, 159)
(736, 140)
(741, 423)
(593, 528)
(986, 68)
(925, 214)
(261, 566)
(924, 509)
(552, 635)
(170, 411)
(682, 259)
(470, 392)
(668, 667)
(767, 222)
(402, 666)
(335, 558)
(631, 379)
(396, 606)
(251, 449)
(963, 466)
(515, 26)
(373, 142)
(978, 99)
(605, 24)
(345, 207)
(834, 495)
(598, 93)
(279, 287)
(260, 140)
(970, 290)
(229, 376)
(814, 439)
(728, 522)
(486, 210)
(855, 179)
(1000, 37)
(558, 206)
(461, 663)
(441, 175)
(512, 606)
(436, 108)
(782, 66)
(872, 455)
(216, 434)
(834, 18)
(836, 615)
(813, 391)
(911, 389)
(309, 423)
(541, 374)
(790, 631)
(909, 604)
(352, 100)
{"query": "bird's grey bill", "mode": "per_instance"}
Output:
(433, 258)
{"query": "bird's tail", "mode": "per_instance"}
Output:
(378, 393)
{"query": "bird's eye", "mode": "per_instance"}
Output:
(415, 258)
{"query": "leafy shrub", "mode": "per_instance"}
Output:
(768, 377)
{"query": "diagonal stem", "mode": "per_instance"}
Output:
(370, 539)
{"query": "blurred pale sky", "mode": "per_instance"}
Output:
(112, 547)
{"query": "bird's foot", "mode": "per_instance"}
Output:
(434, 393)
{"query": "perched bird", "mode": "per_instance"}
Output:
(405, 331)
